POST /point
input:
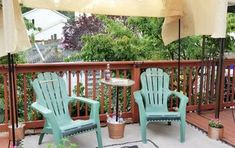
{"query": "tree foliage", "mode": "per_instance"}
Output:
(231, 28)
(75, 29)
(133, 38)
(69, 14)
(25, 9)
(116, 43)
(139, 38)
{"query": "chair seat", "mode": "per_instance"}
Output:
(78, 127)
(163, 116)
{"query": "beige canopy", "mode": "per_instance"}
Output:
(231, 2)
(13, 35)
(148, 8)
(200, 17)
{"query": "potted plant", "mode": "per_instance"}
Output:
(19, 131)
(215, 129)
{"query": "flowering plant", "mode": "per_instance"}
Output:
(215, 124)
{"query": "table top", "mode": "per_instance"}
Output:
(118, 82)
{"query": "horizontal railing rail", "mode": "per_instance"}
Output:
(83, 79)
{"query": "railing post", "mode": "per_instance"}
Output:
(136, 77)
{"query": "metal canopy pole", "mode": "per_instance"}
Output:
(201, 76)
(219, 78)
(11, 97)
(14, 90)
(179, 48)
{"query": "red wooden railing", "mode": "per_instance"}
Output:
(86, 78)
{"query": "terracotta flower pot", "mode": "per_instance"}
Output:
(215, 133)
(116, 131)
(19, 132)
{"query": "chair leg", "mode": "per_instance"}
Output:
(182, 131)
(57, 138)
(99, 138)
(143, 135)
(143, 132)
(40, 138)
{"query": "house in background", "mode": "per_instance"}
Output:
(50, 22)
(46, 48)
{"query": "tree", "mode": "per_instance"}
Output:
(139, 38)
(231, 28)
(75, 29)
(25, 9)
(31, 27)
(69, 14)
(150, 28)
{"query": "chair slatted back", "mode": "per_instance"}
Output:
(155, 90)
(50, 92)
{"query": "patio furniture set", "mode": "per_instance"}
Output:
(52, 101)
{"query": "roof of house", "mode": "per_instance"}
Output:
(36, 9)
(49, 27)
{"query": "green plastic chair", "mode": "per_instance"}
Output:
(52, 101)
(152, 101)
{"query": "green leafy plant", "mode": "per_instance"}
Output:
(66, 143)
(215, 124)
(1, 110)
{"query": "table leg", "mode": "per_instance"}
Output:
(117, 95)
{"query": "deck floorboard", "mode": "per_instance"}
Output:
(226, 117)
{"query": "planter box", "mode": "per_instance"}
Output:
(116, 130)
(215, 133)
(19, 132)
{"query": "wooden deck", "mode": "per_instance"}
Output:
(226, 117)
(201, 121)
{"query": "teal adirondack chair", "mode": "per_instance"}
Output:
(152, 101)
(52, 101)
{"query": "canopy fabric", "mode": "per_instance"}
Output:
(231, 2)
(147, 8)
(199, 17)
(231, 5)
(13, 35)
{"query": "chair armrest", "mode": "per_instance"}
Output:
(183, 100)
(139, 101)
(94, 106)
(43, 110)
(47, 114)
(83, 99)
